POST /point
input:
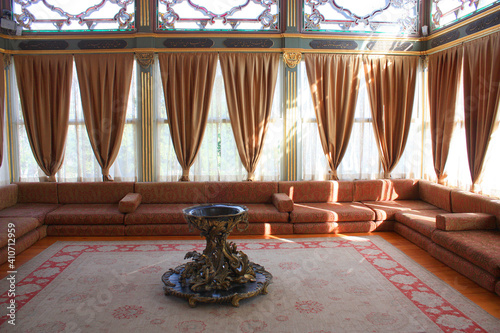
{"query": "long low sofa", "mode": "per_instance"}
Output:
(459, 228)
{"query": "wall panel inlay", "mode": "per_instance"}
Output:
(100, 44)
(44, 45)
(334, 44)
(188, 43)
(248, 43)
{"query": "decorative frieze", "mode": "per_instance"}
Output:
(100, 44)
(181, 43)
(261, 43)
(329, 44)
(389, 46)
(44, 45)
(446, 38)
(484, 23)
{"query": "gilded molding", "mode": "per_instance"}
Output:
(145, 59)
(292, 59)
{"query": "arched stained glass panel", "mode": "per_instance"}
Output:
(71, 15)
(397, 17)
(214, 15)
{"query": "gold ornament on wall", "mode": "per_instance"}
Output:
(145, 59)
(292, 59)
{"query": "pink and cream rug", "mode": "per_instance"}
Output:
(351, 284)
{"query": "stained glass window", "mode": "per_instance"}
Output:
(398, 17)
(73, 15)
(224, 15)
(447, 12)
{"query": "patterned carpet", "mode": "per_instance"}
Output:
(348, 284)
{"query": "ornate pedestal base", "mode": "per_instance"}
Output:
(234, 294)
(221, 273)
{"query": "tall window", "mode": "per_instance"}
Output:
(4, 168)
(79, 159)
(234, 15)
(218, 158)
(361, 160)
(398, 17)
(447, 12)
(71, 15)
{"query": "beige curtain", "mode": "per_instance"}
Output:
(249, 80)
(2, 107)
(390, 81)
(482, 96)
(443, 80)
(104, 81)
(334, 84)
(187, 80)
(44, 83)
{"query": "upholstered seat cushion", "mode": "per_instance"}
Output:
(423, 221)
(331, 212)
(81, 214)
(385, 210)
(265, 213)
(480, 247)
(22, 226)
(35, 210)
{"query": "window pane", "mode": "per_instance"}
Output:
(363, 16)
(447, 12)
(234, 15)
(70, 15)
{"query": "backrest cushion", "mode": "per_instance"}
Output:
(172, 192)
(435, 194)
(37, 193)
(241, 192)
(468, 202)
(317, 191)
(8, 195)
(93, 193)
(386, 190)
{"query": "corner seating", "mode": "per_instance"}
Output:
(459, 228)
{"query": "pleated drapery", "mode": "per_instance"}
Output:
(334, 83)
(390, 82)
(104, 81)
(44, 87)
(188, 79)
(481, 98)
(443, 80)
(250, 81)
(2, 107)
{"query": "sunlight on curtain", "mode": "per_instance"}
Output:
(457, 166)
(428, 172)
(79, 159)
(218, 158)
(490, 182)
